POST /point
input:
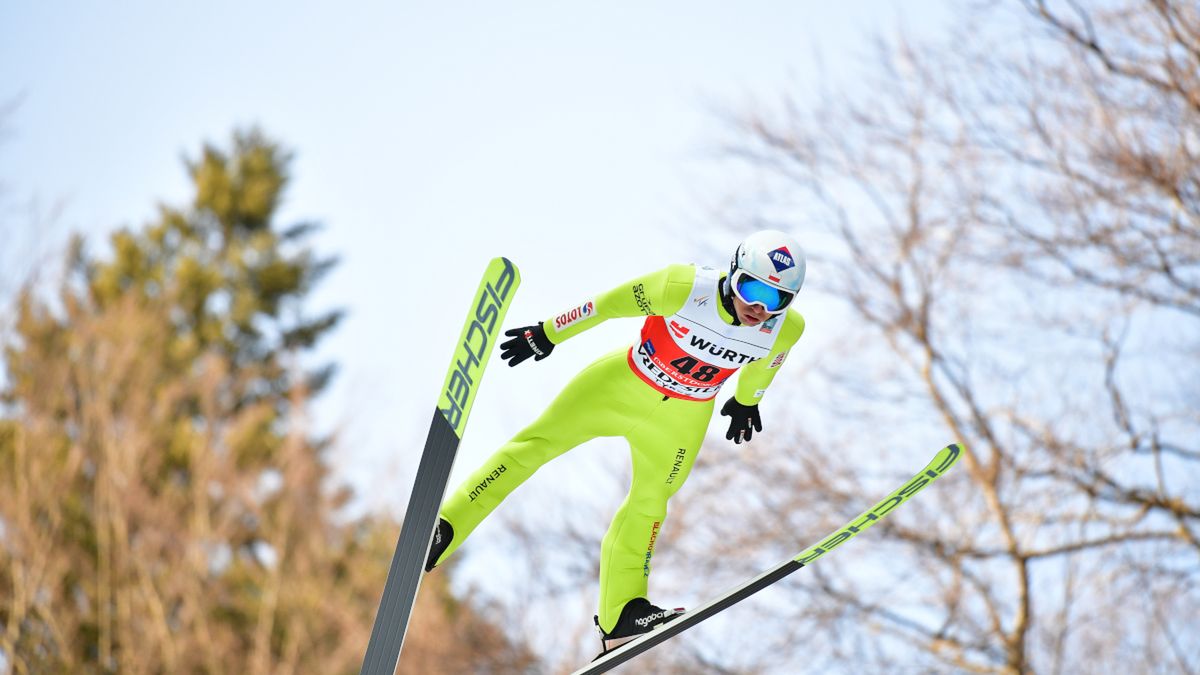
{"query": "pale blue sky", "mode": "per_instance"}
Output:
(575, 138)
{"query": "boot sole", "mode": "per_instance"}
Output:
(610, 644)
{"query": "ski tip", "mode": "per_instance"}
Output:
(506, 264)
(946, 458)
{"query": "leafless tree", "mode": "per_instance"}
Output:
(1004, 224)
(1011, 220)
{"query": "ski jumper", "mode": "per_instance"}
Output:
(657, 394)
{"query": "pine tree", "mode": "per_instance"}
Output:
(164, 506)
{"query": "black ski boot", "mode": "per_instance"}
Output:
(638, 617)
(442, 535)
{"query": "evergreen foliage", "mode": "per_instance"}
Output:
(164, 505)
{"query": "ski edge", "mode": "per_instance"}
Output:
(490, 305)
(942, 462)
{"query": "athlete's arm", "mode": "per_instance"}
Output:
(659, 293)
(754, 379)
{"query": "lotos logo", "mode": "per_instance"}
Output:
(781, 258)
(679, 331)
(574, 315)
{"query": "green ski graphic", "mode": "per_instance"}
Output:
(941, 463)
(492, 300)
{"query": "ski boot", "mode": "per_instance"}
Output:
(442, 535)
(638, 617)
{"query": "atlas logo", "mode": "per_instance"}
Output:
(781, 258)
(679, 331)
(475, 344)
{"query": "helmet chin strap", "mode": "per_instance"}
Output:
(726, 293)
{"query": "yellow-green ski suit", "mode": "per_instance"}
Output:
(608, 398)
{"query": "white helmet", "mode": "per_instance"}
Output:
(767, 269)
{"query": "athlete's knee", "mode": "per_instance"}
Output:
(529, 451)
(653, 506)
(673, 488)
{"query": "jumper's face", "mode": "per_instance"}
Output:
(750, 315)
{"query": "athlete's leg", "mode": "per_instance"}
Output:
(664, 449)
(589, 406)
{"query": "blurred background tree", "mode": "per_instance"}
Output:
(165, 506)
(1008, 224)
(1011, 221)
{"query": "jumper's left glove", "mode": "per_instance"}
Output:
(526, 341)
(743, 420)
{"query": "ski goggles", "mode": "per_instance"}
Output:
(754, 291)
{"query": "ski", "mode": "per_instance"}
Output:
(940, 464)
(492, 300)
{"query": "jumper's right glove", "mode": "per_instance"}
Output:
(743, 420)
(526, 341)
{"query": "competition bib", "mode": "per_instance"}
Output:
(691, 353)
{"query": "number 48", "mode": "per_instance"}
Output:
(684, 364)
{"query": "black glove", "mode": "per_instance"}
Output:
(526, 341)
(743, 420)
